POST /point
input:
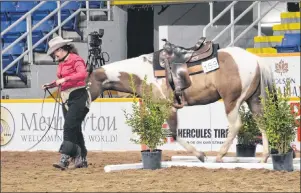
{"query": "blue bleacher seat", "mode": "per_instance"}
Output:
(291, 39)
(15, 32)
(43, 46)
(16, 50)
(71, 24)
(21, 8)
(45, 26)
(4, 25)
(290, 43)
(44, 10)
(7, 6)
(39, 32)
(11, 55)
(16, 15)
(66, 12)
(48, 6)
(24, 6)
(7, 59)
(39, 15)
(19, 28)
(3, 17)
(93, 4)
(71, 6)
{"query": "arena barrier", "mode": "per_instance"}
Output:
(208, 165)
(205, 127)
(226, 159)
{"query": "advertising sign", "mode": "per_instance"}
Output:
(25, 127)
(286, 69)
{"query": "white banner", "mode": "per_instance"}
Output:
(104, 128)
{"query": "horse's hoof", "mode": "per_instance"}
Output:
(263, 161)
(219, 160)
(202, 157)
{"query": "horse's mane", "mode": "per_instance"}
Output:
(153, 58)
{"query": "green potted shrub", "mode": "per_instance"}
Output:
(147, 117)
(248, 134)
(279, 123)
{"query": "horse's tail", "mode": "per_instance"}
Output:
(267, 80)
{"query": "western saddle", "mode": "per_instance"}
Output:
(178, 60)
(199, 51)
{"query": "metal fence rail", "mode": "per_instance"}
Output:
(231, 7)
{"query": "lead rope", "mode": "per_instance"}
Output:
(55, 104)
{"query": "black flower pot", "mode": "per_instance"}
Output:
(274, 151)
(243, 150)
(283, 162)
(151, 160)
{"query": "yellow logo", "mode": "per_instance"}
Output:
(7, 127)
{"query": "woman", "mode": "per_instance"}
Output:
(71, 75)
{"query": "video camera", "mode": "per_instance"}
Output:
(95, 38)
(96, 56)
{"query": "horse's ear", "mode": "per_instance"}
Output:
(144, 59)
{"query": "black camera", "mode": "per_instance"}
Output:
(95, 38)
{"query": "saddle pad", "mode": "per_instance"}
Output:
(193, 67)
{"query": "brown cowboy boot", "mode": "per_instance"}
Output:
(77, 160)
(76, 163)
(63, 163)
(85, 162)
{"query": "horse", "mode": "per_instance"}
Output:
(238, 76)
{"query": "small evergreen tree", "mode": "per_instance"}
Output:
(149, 114)
(249, 132)
(277, 119)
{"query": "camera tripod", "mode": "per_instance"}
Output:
(96, 60)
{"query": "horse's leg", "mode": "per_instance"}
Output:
(234, 126)
(256, 109)
(173, 125)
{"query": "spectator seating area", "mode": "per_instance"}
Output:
(285, 39)
(13, 10)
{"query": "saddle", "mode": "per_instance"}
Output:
(200, 51)
(177, 63)
(197, 46)
(193, 56)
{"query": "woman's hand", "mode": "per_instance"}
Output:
(49, 85)
(44, 86)
(60, 81)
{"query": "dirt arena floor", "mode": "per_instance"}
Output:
(33, 172)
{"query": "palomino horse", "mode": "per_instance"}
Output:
(199, 75)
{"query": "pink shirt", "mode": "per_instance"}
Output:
(73, 70)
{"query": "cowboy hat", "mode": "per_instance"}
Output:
(57, 43)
